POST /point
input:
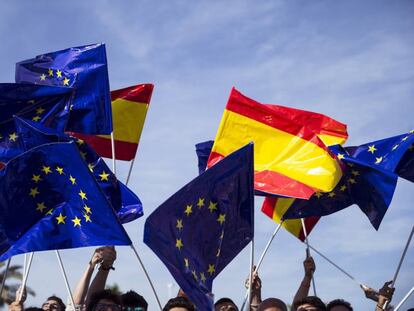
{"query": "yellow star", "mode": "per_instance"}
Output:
(49, 212)
(59, 170)
(13, 136)
(351, 181)
(372, 149)
(40, 207)
(87, 209)
(36, 118)
(340, 156)
(202, 277)
(194, 275)
(42, 77)
(33, 192)
(72, 180)
(87, 218)
(50, 72)
(212, 207)
(179, 224)
(40, 110)
(80, 141)
(200, 203)
(221, 218)
(331, 194)
(82, 195)
(61, 219)
(104, 176)
(318, 194)
(76, 221)
(378, 160)
(59, 73)
(46, 169)
(90, 166)
(66, 81)
(179, 244)
(36, 178)
(211, 269)
(186, 263)
(188, 210)
(343, 188)
(355, 172)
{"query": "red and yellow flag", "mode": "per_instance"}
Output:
(290, 159)
(129, 109)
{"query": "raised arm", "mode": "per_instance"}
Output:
(303, 290)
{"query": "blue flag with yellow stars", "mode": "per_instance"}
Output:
(203, 151)
(395, 154)
(83, 68)
(364, 184)
(202, 227)
(50, 200)
(43, 104)
(127, 205)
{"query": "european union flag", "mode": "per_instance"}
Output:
(203, 226)
(43, 104)
(395, 154)
(49, 200)
(370, 187)
(127, 205)
(83, 68)
(203, 151)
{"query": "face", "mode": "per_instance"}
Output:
(226, 306)
(339, 308)
(107, 305)
(178, 309)
(306, 307)
(273, 309)
(51, 305)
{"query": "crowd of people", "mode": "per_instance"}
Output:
(92, 296)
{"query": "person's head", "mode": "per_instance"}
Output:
(178, 304)
(225, 304)
(53, 303)
(104, 300)
(33, 309)
(310, 303)
(272, 304)
(131, 301)
(339, 305)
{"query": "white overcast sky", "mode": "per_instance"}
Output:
(351, 60)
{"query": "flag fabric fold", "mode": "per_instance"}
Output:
(202, 227)
(51, 201)
(290, 159)
(129, 109)
(85, 69)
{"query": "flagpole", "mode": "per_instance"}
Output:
(65, 278)
(305, 233)
(113, 153)
(259, 263)
(3, 282)
(147, 276)
(129, 172)
(404, 299)
(335, 265)
(26, 275)
(249, 297)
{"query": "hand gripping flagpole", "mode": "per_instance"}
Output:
(305, 233)
(404, 299)
(147, 276)
(66, 279)
(3, 282)
(259, 263)
(26, 275)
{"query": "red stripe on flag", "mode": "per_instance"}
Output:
(268, 206)
(310, 222)
(138, 93)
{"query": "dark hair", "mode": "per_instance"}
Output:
(103, 294)
(339, 302)
(59, 301)
(133, 299)
(272, 302)
(180, 302)
(312, 300)
(225, 300)
(33, 309)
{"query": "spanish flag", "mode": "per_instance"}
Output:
(129, 109)
(275, 209)
(290, 157)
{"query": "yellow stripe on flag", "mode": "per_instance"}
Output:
(294, 226)
(279, 151)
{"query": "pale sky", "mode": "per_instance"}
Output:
(351, 60)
